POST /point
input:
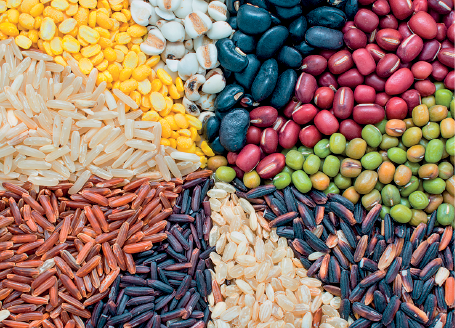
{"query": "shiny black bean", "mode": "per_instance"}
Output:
(232, 21)
(288, 13)
(260, 3)
(210, 128)
(351, 8)
(229, 56)
(304, 48)
(327, 16)
(284, 89)
(229, 97)
(248, 102)
(233, 130)
(271, 42)
(246, 77)
(234, 5)
(265, 80)
(324, 38)
(297, 29)
(217, 147)
(245, 42)
(285, 3)
(289, 57)
(253, 20)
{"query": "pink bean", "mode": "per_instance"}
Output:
(327, 53)
(289, 134)
(399, 82)
(309, 136)
(439, 71)
(326, 122)
(441, 6)
(376, 52)
(419, 5)
(368, 114)
(366, 2)
(279, 123)
(401, 9)
(425, 88)
(388, 21)
(343, 103)
(423, 25)
(350, 129)
(388, 39)
(271, 165)
(364, 61)
(364, 94)
(305, 88)
(269, 141)
(327, 79)
(347, 26)
(304, 114)
(291, 106)
(410, 48)
(421, 70)
(404, 30)
(387, 65)
(396, 108)
(248, 158)
(238, 172)
(412, 99)
(373, 80)
(441, 32)
(430, 51)
(323, 97)
(314, 64)
(253, 135)
(366, 20)
(381, 99)
(449, 81)
(381, 7)
(340, 62)
(354, 38)
(446, 44)
(263, 116)
(232, 157)
(351, 78)
(447, 57)
(451, 32)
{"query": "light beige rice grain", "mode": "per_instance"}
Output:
(56, 130)
(43, 181)
(37, 55)
(99, 136)
(116, 144)
(17, 83)
(173, 167)
(114, 133)
(69, 163)
(133, 158)
(57, 153)
(37, 141)
(122, 173)
(39, 73)
(23, 99)
(163, 167)
(66, 130)
(122, 159)
(17, 130)
(8, 164)
(147, 156)
(80, 182)
(100, 172)
(29, 151)
(106, 157)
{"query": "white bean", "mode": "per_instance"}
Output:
(217, 10)
(192, 87)
(154, 44)
(207, 56)
(141, 12)
(197, 23)
(173, 31)
(219, 30)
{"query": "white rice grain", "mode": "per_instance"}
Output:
(126, 99)
(57, 153)
(80, 182)
(122, 159)
(100, 136)
(56, 130)
(133, 158)
(38, 141)
(43, 181)
(163, 167)
(34, 165)
(129, 131)
(173, 167)
(140, 144)
(25, 119)
(66, 130)
(29, 151)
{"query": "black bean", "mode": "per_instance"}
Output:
(253, 20)
(285, 84)
(327, 16)
(287, 14)
(271, 42)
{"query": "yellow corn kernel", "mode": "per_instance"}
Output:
(104, 21)
(85, 65)
(127, 13)
(193, 121)
(199, 152)
(164, 91)
(130, 60)
(175, 134)
(125, 74)
(108, 77)
(170, 120)
(142, 58)
(81, 16)
(70, 44)
(72, 9)
(37, 10)
(122, 38)
(3, 6)
(54, 14)
(173, 142)
(67, 25)
(141, 73)
(101, 78)
(47, 48)
(77, 56)
(166, 111)
(116, 84)
(178, 108)
(181, 121)
(91, 50)
(136, 41)
(165, 78)
(120, 55)
(33, 36)
(135, 48)
(47, 29)
(13, 16)
(82, 41)
(88, 34)
(145, 101)
(185, 132)
(144, 87)
(156, 85)
(60, 4)
(9, 29)
(194, 134)
(203, 162)
(114, 70)
(137, 31)
(173, 92)
(89, 4)
(23, 42)
(110, 54)
(165, 142)
(158, 101)
(97, 59)
(128, 86)
(38, 22)
(56, 46)
(105, 43)
(169, 103)
(26, 21)
(184, 142)
(136, 96)
(151, 116)
(123, 27)
(103, 66)
(122, 48)
(27, 5)
(152, 61)
(92, 19)
(120, 17)
(13, 3)
(179, 84)
(206, 149)
(103, 32)
(166, 130)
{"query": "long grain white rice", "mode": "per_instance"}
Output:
(140, 144)
(80, 182)
(133, 158)
(123, 97)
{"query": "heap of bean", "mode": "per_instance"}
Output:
(260, 58)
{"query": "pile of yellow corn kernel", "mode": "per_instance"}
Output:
(101, 34)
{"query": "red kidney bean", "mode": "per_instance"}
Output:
(425, 88)
(248, 158)
(441, 6)
(401, 9)
(405, 65)
(375, 51)
(253, 135)
(430, 51)
(387, 65)
(419, 5)
(404, 30)
(326, 122)
(327, 53)
(347, 26)
(449, 19)
(381, 7)
(355, 38)
(304, 114)
(381, 99)
(327, 79)
(263, 116)
(364, 94)
(373, 80)
(368, 114)
(289, 134)
(423, 25)
(269, 141)
(449, 81)
(388, 21)
(388, 39)
(421, 70)
(323, 97)
(435, 15)
(399, 82)
(351, 78)
(364, 61)
(232, 157)
(441, 32)
(412, 99)
(238, 172)
(447, 57)
(271, 165)
(305, 87)
(314, 64)
(366, 2)
(343, 103)
(446, 44)
(410, 48)
(439, 71)
(366, 20)
(340, 62)
(291, 106)
(309, 136)
(396, 108)
(350, 129)
(278, 124)
(451, 32)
